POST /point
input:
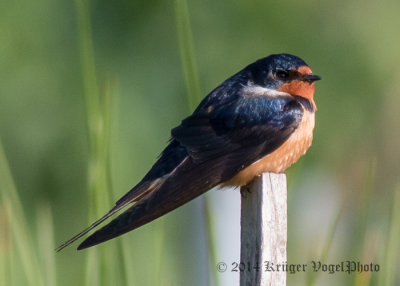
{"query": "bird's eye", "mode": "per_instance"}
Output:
(282, 74)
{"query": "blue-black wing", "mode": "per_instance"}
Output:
(222, 137)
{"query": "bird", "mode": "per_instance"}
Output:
(259, 120)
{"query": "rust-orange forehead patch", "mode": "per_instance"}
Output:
(304, 70)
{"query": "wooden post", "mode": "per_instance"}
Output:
(264, 231)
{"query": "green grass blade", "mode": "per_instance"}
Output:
(186, 48)
(369, 255)
(46, 243)
(122, 247)
(92, 272)
(126, 253)
(92, 109)
(102, 263)
(5, 247)
(88, 68)
(364, 209)
(389, 271)
(18, 224)
(212, 251)
(311, 275)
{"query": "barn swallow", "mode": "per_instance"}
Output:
(261, 119)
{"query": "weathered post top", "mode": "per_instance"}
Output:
(264, 231)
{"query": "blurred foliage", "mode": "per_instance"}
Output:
(136, 70)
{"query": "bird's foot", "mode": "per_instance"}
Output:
(245, 190)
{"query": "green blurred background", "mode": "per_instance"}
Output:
(90, 91)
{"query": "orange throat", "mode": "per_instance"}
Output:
(300, 88)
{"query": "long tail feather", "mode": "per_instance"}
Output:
(86, 230)
(184, 185)
(134, 195)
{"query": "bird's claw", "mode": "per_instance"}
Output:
(244, 190)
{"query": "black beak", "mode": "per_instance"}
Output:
(311, 78)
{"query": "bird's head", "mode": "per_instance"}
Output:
(286, 73)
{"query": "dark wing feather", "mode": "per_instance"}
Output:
(218, 144)
(234, 129)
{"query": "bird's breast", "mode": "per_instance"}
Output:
(283, 157)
